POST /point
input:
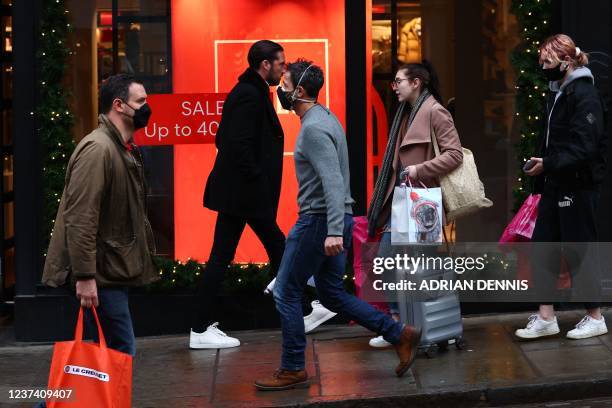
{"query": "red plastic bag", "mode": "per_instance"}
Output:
(521, 227)
(98, 376)
(360, 237)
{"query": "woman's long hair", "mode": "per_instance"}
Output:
(428, 76)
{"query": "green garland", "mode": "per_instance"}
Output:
(53, 116)
(534, 23)
(240, 279)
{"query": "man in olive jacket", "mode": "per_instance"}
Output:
(102, 241)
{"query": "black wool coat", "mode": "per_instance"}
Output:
(246, 178)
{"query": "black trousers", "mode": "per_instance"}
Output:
(228, 231)
(564, 215)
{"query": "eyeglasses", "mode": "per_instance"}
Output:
(396, 82)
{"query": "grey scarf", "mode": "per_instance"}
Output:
(384, 177)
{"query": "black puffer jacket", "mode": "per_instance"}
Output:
(574, 156)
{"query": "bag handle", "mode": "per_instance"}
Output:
(406, 178)
(78, 333)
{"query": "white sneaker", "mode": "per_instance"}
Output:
(270, 288)
(588, 327)
(212, 338)
(317, 317)
(538, 327)
(379, 342)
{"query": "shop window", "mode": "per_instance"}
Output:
(396, 40)
(126, 36)
(141, 45)
(469, 44)
(7, 222)
(143, 7)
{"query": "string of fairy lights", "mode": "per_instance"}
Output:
(241, 277)
(533, 18)
(52, 116)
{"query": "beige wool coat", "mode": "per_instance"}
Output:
(415, 148)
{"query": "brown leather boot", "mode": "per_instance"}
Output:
(283, 380)
(407, 348)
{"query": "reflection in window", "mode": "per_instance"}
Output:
(381, 46)
(142, 7)
(410, 41)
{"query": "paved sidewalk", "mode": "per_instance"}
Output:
(494, 369)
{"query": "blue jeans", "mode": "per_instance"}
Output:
(115, 319)
(304, 256)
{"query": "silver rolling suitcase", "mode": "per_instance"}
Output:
(439, 319)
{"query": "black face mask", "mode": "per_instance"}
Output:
(284, 100)
(554, 73)
(141, 116)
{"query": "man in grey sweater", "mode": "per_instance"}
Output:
(318, 243)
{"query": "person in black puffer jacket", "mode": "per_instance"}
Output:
(568, 172)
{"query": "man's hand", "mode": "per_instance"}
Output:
(333, 246)
(87, 291)
(537, 169)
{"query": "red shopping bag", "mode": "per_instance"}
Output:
(98, 376)
(521, 227)
(360, 237)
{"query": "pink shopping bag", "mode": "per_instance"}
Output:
(521, 227)
(360, 237)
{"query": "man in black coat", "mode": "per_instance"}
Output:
(244, 185)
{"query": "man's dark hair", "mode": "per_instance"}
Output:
(261, 51)
(115, 87)
(313, 80)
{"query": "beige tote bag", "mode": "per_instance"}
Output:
(462, 191)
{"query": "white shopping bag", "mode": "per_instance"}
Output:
(400, 214)
(416, 215)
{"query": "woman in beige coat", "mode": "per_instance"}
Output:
(410, 149)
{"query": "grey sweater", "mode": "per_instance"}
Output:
(322, 168)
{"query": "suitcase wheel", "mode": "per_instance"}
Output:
(431, 351)
(460, 343)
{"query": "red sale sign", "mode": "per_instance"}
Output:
(182, 119)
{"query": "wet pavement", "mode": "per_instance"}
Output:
(494, 369)
(588, 403)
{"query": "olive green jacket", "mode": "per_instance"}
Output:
(101, 230)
